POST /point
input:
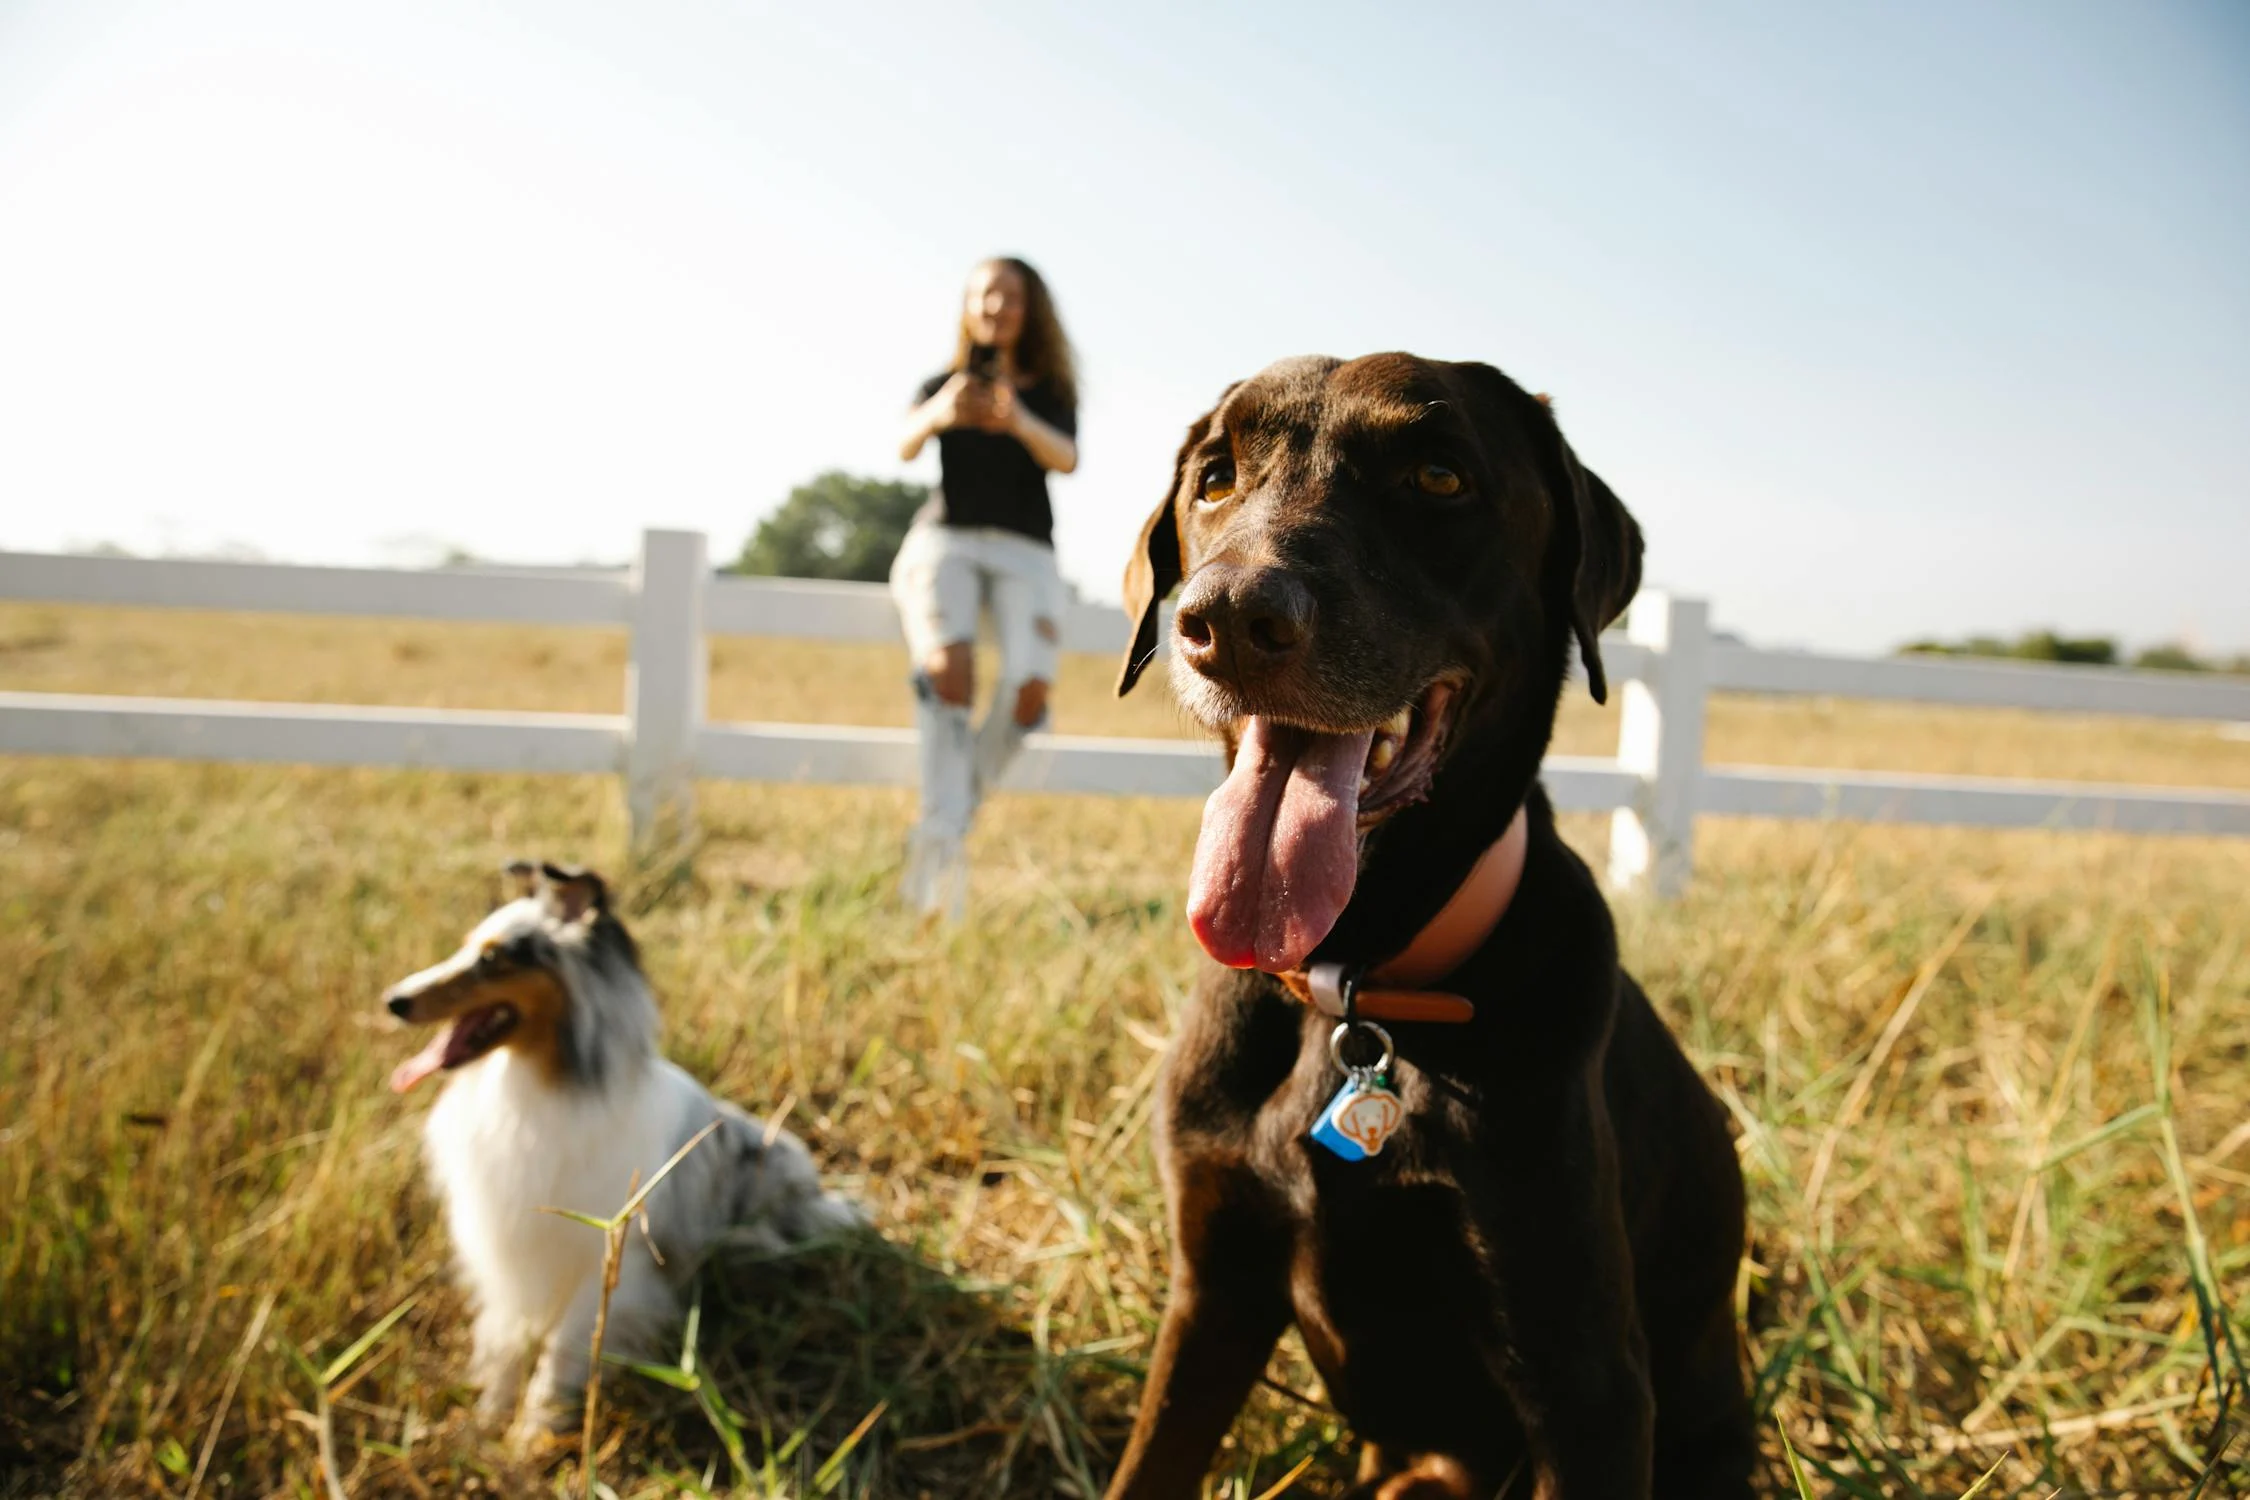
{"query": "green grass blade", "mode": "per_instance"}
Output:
(729, 1430)
(824, 1478)
(1984, 1479)
(1796, 1469)
(692, 1327)
(2138, 1115)
(578, 1218)
(342, 1363)
(677, 1379)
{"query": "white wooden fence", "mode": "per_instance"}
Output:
(1658, 784)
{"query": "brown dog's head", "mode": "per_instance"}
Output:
(1384, 563)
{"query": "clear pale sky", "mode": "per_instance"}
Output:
(1886, 319)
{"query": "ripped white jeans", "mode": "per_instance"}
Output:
(943, 578)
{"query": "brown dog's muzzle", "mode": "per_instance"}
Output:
(1242, 626)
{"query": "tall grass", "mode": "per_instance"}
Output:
(1993, 1094)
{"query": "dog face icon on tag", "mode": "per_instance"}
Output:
(1359, 1120)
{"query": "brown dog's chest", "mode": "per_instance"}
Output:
(1385, 1282)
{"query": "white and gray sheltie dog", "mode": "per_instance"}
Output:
(556, 1097)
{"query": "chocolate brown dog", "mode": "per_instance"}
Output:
(1512, 1254)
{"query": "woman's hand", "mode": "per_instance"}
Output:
(991, 406)
(987, 406)
(953, 404)
(970, 401)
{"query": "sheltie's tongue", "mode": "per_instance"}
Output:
(1279, 851)
(423, 1063)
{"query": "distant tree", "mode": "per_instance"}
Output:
(2045, 645)
(2171, 657)
(837, 526)
(2038, 645)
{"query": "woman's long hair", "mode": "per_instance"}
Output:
(1043, 349)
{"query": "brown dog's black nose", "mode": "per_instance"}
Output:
(1240, 624)
(399, 1004)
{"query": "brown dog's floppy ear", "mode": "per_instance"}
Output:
(1600, 543)
(1158, 562)
(1594, 556)
(573, 891)
(522, 877)
(1151, 573)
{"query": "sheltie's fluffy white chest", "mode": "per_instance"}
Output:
(504, 1145)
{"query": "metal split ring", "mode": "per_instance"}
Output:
(1336, 1047)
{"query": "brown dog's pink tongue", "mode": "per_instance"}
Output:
(422, 1064)
(1279, 851)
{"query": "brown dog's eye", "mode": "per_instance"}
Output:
(1437, 479)
(1216, 484)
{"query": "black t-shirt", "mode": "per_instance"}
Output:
(990, 479)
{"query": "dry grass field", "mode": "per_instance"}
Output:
(1993, 1094)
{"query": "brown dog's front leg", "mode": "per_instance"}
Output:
(1579, 1366)
(1207, 1358)
(1229, 1304)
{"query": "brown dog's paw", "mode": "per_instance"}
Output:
(1429, 1476)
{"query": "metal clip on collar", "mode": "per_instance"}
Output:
(1335, 990)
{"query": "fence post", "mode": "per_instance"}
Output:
(1660, 739)
(664, 685)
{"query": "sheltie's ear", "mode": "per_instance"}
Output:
(573, 891)
(521, 877)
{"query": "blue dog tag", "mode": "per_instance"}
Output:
(1359, 1119)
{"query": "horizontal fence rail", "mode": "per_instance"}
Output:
(528, 596)
(807, 608)
(1981, 684)
(1666, 661)
(312, 734)
(1969, 801)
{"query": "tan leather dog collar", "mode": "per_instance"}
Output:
(1398, 988)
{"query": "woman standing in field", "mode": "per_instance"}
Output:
(1005, 415)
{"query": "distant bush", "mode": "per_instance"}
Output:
(2171, 658)
(2039, 645)
(2098, 651)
